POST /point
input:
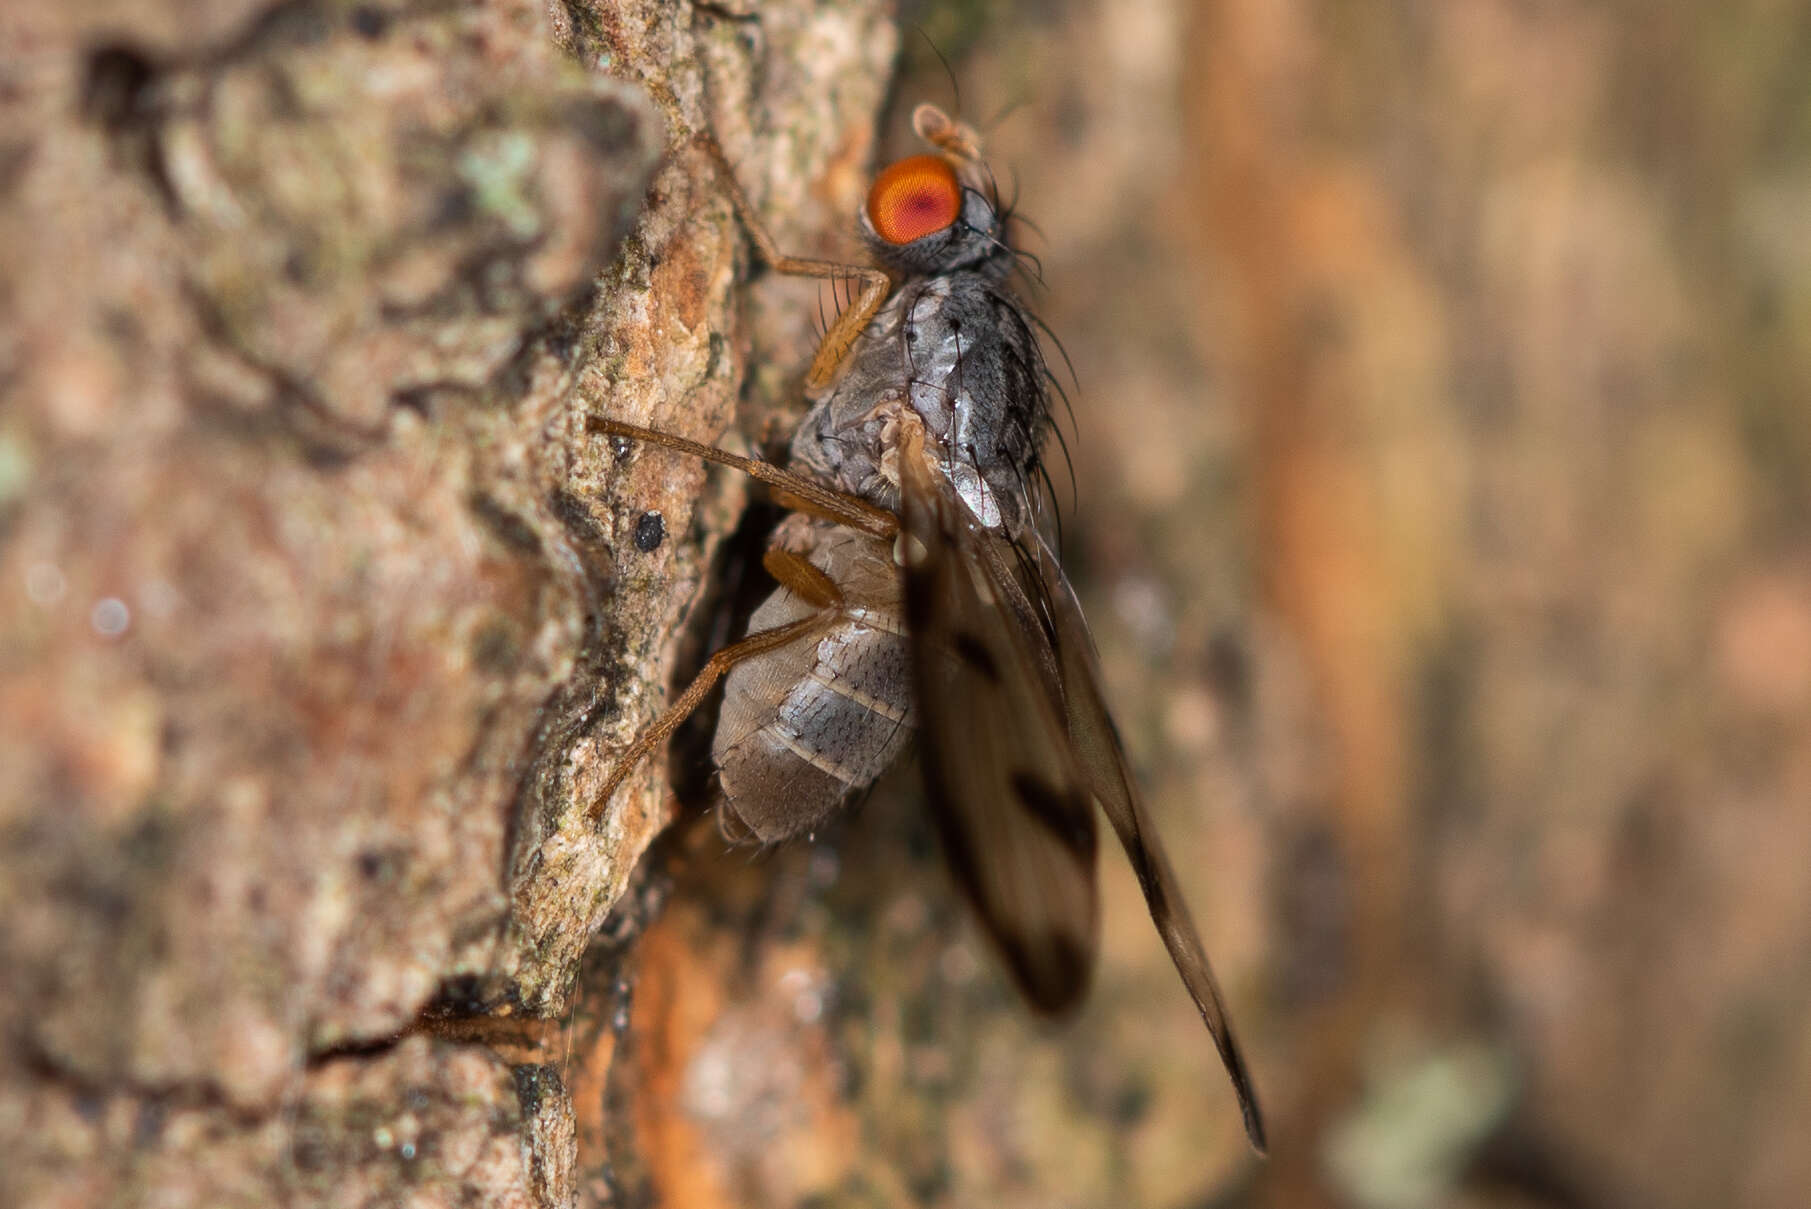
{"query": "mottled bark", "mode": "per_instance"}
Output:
(1442, 448)
(324, 615)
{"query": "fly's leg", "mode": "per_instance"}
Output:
(875, 284)
(802, 494)
(795, 573)
(714, 670)
(803, 578)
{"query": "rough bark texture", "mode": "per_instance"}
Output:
(324, 615)
(1442, 442)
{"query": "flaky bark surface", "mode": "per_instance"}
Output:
(1442, 449)
(325, 615)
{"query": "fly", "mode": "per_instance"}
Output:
(917, 593)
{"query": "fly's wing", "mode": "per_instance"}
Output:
(1110, 781)
(1004, 786)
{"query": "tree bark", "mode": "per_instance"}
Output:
(325, 614)
(1441, 450)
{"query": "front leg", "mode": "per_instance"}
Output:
(875, 284)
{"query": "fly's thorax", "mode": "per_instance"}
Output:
(807, 725)
(959, 350)
(977, 381)
(951, 342)
(846, 437)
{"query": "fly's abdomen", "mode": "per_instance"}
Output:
(805, 726)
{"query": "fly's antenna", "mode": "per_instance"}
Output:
(948, 71)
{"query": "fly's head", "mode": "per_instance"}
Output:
(938, 213)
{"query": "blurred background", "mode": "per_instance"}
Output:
(1442, 506)
(1443, 451)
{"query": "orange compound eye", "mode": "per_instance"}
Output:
(913, 198)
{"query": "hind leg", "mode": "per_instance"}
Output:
(793, 572)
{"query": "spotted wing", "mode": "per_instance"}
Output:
(1009, 799)
(1110, 781)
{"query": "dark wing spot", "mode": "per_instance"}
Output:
(1052, 968)
(974, 652)
(1064, 815)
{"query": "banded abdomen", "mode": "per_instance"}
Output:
(806, 725)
